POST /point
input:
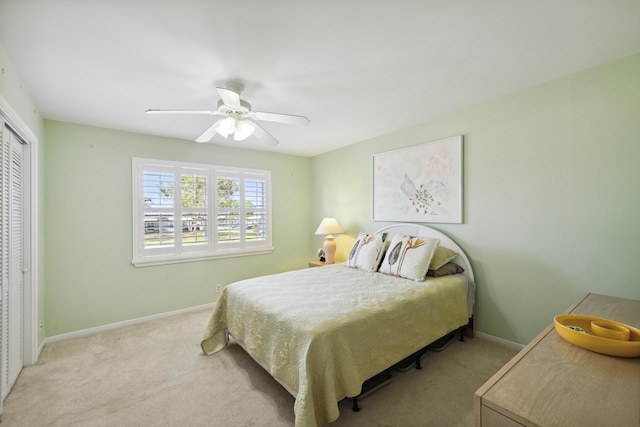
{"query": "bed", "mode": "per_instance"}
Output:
(323, 332)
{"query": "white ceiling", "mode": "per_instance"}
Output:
(357, 69)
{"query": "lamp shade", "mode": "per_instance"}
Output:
(225, 127)
(329, 226)
(243, 130)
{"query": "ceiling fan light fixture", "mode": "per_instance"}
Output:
(225, 127)
(243, 130)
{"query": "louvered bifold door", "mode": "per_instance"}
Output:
(4, 262)
(11, 258)
(16, 275)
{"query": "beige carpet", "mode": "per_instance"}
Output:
(154, 374)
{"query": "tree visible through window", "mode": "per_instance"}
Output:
(173, 221)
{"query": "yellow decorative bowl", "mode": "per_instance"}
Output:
(599, 335)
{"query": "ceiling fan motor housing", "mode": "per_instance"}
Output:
(237, 112)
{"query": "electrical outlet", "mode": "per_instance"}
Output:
(218, 288)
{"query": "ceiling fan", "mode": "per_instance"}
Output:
(238, 118)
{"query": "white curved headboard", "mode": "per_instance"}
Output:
(425, 231)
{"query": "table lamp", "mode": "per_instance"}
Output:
(329, 226)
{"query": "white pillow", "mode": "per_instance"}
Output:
(409, 257)
(367, 251)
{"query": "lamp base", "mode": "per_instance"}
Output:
(329, 248)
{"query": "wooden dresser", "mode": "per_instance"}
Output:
(551, 382)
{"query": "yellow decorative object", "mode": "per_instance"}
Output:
(599, 335)
(610, 330)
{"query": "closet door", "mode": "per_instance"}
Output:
(11, 263)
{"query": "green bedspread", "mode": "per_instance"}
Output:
(324, 331)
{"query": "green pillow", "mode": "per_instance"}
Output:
(442, 256)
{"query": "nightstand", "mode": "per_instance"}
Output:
(320, 263)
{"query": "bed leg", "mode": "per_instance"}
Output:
(418, 364)
(355, 407)
(470, 329)
(463, 330)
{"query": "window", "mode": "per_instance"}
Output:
(187, 212)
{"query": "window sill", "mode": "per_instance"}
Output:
(173, 259)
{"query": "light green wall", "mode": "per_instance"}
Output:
(19, 100)
(552, 205)
(90, 279)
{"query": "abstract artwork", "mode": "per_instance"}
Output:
(422, 183)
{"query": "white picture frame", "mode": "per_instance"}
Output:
(421, 183)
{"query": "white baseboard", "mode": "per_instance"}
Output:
(507, 343)
(91, 331)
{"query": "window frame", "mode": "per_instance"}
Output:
(212, 249)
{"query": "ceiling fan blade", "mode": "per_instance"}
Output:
(263, 135)
(229, 97)
(289, 119)
(209, 112)
(209, 133)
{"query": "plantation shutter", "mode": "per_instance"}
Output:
(193, 211)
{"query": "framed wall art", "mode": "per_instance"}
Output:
(421, 183)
